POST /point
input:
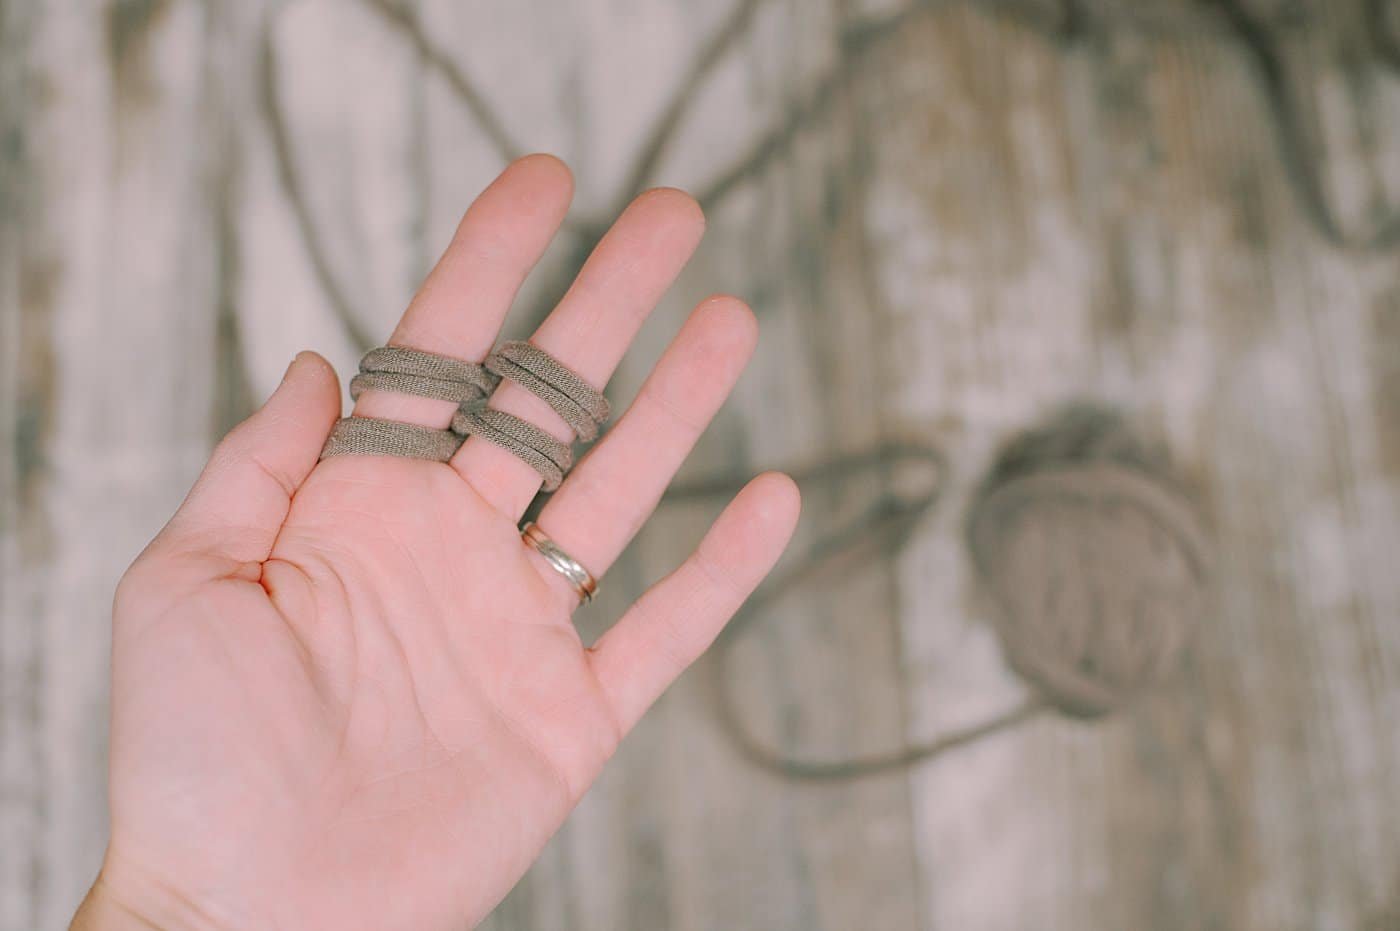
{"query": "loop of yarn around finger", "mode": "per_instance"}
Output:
(583, 407)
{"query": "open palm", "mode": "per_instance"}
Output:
(346, 694)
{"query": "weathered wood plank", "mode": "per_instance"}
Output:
(26, 394)
(1112, 220)
(117, 271)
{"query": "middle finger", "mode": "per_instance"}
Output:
(590, 331)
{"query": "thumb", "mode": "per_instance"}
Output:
(239, 502)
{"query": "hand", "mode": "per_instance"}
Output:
(346, 695)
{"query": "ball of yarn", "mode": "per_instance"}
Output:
(1097, 563)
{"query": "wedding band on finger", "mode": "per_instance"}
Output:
(579, 578)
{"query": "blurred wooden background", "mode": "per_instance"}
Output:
(950, 216)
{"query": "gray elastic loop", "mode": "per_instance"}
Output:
(459, 392)
(529, 443)
(400, 360)
(581, 405)
(368, 436)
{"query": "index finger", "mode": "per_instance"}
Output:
(460, 308)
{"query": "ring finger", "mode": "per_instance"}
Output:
(605, 501)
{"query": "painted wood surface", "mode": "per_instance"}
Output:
(950, 217)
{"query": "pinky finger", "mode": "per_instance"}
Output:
(679, 617)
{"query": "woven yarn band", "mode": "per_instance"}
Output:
(369, 436)
(582, 406)
(524, 440)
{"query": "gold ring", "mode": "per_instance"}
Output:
(561, 562)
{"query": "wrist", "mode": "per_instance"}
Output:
(123, 899)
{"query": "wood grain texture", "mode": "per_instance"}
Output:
(951, 217)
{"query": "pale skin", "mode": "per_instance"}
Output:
(346, 695)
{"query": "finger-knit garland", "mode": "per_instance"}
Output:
(369, 436)
(407, 371)
(527, 442)
(411, 371)
(581, 405)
